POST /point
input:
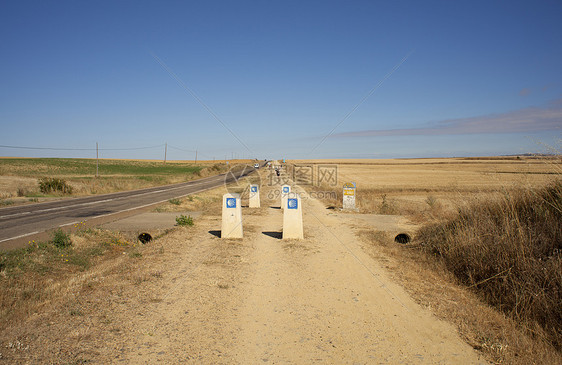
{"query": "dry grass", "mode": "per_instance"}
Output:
(509, 251)
(208, 202)
(412, 186)
(437, 289)
(42, 273)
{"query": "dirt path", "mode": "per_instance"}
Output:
(322, 300)
(200, 299)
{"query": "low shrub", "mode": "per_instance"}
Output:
(53, 184)
(60, 239)
(182, 220)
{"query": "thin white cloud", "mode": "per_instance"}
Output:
(524, 92)
(534, 119)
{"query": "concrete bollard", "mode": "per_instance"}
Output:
(292, 218)
(285, 191)
(231, 216)
(254, 196)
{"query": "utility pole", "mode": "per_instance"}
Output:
(165, 152)
(196, 156)
(97, 161)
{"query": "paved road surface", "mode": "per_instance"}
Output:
(17, 224)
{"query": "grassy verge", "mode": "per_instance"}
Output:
(33, 277)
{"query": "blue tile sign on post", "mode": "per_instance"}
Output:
(292, 203)
(230, 202)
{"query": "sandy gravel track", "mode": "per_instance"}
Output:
(195, 298)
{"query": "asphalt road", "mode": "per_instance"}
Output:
(20, 223)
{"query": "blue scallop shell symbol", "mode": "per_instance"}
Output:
(231, 202)
(286, 189)
(292, 203)
(254, 189)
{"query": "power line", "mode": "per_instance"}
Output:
(48, 148)
(80, 149)
(105, 149)
(133, 148)
(180, 149)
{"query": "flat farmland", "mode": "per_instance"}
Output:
(409, 183)
(19, 177)
(443, 175)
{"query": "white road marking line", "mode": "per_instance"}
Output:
(69, 224)
(95, 202)
(14, 215)
(147, 205)
(20, 236)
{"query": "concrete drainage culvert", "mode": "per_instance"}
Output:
(402, 238)
(145, 238)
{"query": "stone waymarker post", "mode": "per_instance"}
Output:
(285, 191)
(349, 190)
(231, 216)
(292, 218)
(254, 196)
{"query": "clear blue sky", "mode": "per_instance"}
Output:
(470, 78)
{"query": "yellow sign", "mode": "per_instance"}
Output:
(349, 189)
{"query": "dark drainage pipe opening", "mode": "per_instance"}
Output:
(145, 238)
(402, 238)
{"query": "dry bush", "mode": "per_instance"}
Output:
(509, 251)
(48, 185)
